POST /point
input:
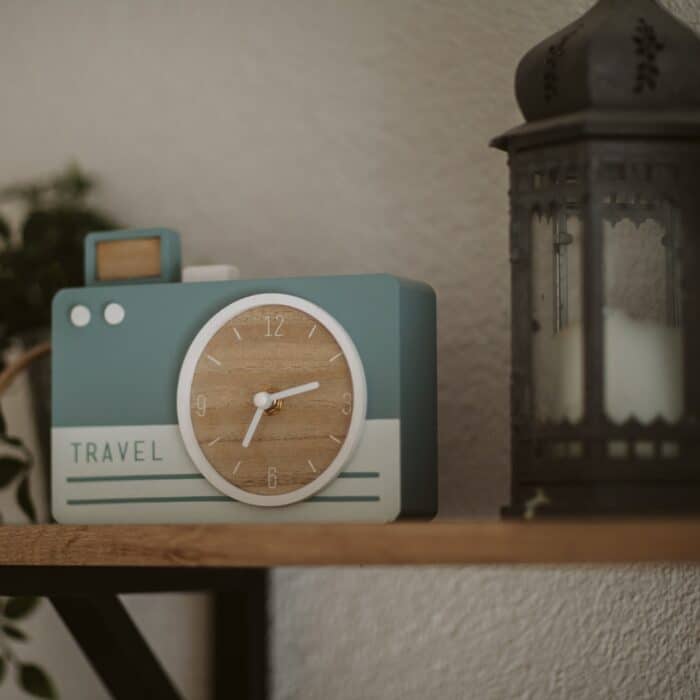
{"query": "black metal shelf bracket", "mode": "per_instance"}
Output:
(86, 600)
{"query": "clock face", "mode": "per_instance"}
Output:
(271, 399)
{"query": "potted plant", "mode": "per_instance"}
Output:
(44, 254)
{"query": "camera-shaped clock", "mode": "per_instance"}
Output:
(227, 400)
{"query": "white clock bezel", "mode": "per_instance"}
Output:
(184, 386)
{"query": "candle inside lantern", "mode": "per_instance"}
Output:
(643, 371)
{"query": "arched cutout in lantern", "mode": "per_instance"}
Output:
(605, 249)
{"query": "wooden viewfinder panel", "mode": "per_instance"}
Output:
(128, 259)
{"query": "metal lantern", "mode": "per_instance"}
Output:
(605, 252)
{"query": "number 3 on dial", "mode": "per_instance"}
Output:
(271, 379)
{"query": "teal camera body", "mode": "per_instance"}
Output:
(129, 421)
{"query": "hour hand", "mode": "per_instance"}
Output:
(253, 426)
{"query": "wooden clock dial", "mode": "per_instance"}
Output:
(260, 444)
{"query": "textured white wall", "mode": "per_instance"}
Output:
(487, 634)
(351, 136)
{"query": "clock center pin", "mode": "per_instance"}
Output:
(264, 400)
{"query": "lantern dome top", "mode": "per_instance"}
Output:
(622, 57)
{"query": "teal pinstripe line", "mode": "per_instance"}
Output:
(206, 499)
(340, 499)
(131, 477)
(146, 499)
(161, 477)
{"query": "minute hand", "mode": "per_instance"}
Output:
(293, 391)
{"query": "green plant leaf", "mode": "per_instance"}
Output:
(10, 468)
(4, 230)
(17, 608)
(73, 184)
(24, 499)
(36, 681)
(3, 669)
(14, 633)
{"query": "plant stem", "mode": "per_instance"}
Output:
(22, 362)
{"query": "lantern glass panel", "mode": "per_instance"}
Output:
(642, 322)
(557, 237)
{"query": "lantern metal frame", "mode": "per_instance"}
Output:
(587, 159)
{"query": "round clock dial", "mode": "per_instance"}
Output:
(271, 399)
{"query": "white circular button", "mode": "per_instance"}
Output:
(114, 313)
(80, 315)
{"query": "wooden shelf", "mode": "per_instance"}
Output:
(451, 543)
